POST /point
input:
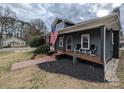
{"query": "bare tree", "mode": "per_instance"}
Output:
(39, 25)
(6, 17)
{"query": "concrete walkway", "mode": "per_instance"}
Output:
(32, 62)
(17, 49)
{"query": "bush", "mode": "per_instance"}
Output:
(49, 53)
(42, 49)
(37, 41)
(8, 46)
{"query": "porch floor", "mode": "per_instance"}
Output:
(94, 59)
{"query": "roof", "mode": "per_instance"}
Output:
(63, 20)
(46, 35)
(110, 21)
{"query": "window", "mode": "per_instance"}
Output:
(85, 41)
(60, 41)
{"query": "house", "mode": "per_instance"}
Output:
(102, 32)
(95, 40)
(13, 42)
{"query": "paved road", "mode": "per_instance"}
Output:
(17, 49)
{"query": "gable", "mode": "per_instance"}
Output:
(66, 21)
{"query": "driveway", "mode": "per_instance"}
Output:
(17, 49)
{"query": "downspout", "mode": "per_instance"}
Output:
(104, 47)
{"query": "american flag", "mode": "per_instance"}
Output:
(53, 37)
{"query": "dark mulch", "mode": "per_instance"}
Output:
(81, 70)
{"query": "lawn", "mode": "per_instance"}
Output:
(5, 53)
(36, 77)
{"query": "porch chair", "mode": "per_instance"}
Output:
(92, 50)
(77, 49)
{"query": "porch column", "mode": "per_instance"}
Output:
(116, 44)
(49, 41)
(103, 43)
(64, 43)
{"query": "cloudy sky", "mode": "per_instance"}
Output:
(73, 11)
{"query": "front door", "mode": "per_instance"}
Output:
(69, 43)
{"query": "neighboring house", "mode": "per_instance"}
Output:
(13, 42)
(95, 40)
(121, 41)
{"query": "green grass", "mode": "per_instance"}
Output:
(4, 53)
(9, 58)
(34, 77)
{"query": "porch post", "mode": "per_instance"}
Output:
(49, 42)
(64, 43)
(102, 44)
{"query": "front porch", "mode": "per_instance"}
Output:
(85, 57)
(101, 38)
(83, 40)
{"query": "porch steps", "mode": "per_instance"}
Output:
(28, 63)
(111, 69)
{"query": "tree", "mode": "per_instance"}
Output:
(33, 31)
(27, 37)
(37, 41)
(7, 16)
(38, 27)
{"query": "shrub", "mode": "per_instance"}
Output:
(8, 46)
(37, 41)
(42, 49)
(49, 53)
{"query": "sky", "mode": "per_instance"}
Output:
(75, 12)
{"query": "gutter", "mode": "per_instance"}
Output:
(113, 22)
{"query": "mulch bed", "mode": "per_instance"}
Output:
(81, 70)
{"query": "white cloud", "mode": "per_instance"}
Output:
(102, 12)
(82, 18)
(48, 12)
(116, 5)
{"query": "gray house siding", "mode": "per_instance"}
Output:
(60, 26)
(57, 44)
(94, 39)
(109, 45)
(66, 25)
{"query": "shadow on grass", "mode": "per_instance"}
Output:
(81, 70)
